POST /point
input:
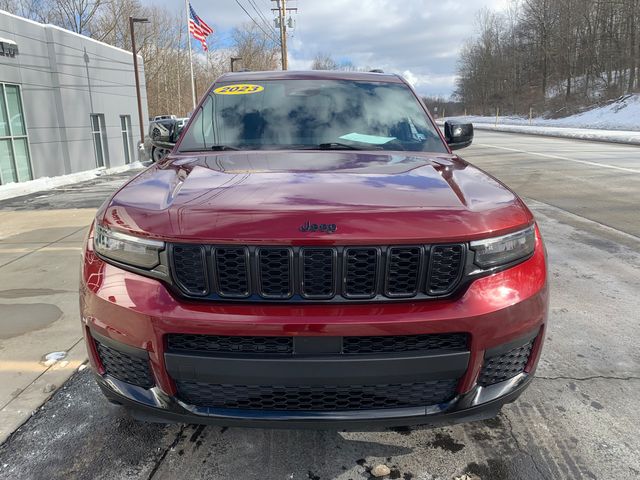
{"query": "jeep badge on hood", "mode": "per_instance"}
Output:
(318, 227)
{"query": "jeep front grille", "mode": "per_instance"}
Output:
(296, 274)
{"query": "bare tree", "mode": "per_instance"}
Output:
(162, 44)
(551, 55)
(33, 9)
(324, 61)
(257, 50)
(76, 15)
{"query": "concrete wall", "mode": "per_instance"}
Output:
(65, 77)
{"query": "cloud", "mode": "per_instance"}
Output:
(429, 82)
(417, 38)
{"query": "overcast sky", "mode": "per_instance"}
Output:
(419, 39)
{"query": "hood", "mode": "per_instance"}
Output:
(265, 197)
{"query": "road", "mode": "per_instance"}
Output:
(577, 420)
(597, 181)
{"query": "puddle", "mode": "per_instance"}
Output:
(19, 319)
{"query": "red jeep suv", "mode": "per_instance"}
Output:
(312, 254)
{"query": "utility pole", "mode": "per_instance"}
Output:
(282, 24)
(282, 5)
(133, 21)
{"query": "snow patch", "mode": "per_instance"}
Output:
(614, 136)
(618, 121)
(11, 190)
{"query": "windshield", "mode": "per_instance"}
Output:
(311, 114)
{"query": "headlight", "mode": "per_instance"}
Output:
(505, 249)
(138, 252)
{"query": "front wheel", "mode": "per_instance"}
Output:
(158, 154)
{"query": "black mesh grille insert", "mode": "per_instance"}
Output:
(189, 268)
(318, 273)
(322, 273)
(229, 344)
(445, 268)
(316, 398)
(507, 365)
(403, 267)
(275, 266)
(232, 271)
(194, 343)
(404, 343)
(361, 265)
(125, 367)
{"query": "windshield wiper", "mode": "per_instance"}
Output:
(215, 148)
(337, 146)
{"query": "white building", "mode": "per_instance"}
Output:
(67, 102)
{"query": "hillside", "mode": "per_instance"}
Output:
(620, 114)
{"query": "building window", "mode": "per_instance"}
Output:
(99, 134)
(127, 138)
(15, 160)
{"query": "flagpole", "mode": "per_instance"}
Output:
(193, 80)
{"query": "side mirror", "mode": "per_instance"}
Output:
(458, 135)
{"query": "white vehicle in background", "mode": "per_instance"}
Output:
(163, 127)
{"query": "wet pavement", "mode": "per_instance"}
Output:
(40, 243)
(577, 420)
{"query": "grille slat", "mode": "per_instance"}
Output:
(316, 398)
(189, 268)
(505, 366)
(125, 367)
(360, 272)
(275, 272)
(445, 268)
(296, 274)
(403, 269)
(232, 271)
(318, 273)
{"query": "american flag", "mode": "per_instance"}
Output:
(198, 28)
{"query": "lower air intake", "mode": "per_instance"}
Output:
(316, 398)
(125, 367)
(505, 366)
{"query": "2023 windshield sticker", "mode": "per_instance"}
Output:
(238, 89)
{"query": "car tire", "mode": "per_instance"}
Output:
(158, 154)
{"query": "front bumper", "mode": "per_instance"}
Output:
(153, 405)
(136, 315)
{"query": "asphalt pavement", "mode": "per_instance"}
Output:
(577, 420)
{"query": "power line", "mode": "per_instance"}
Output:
(257, 24)
(261, 15)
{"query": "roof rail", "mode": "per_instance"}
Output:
(376, 70)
